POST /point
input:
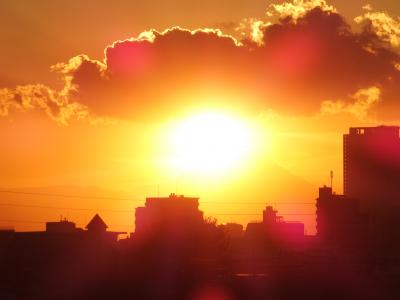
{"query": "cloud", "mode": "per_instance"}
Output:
(299, 8)
(30, 97)
(300, 61)
(367, 7)
(140, 73)
(253, 29)
(291, 66)
(364, 100)
(383, 25)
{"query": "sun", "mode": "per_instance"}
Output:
(211, 142)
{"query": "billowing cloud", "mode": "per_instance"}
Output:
(308, 56)
(143, 74)
(299, 8)
(364, 100)
(383, 25)
(54, 104)
(252, 28)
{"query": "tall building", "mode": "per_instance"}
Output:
(371, 159)
(371, 165)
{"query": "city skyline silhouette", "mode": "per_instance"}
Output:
(199, 150)
(176, 252)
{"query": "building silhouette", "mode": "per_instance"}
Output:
(65, 230)
(168, 213)
(275, 229)
(63, 226)
(280, 228)
(232, 230)
(339, 220)
(176, 253)
(371, 167)
(96, 224)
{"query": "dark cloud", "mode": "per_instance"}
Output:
(142, 74)
(309, 56)
(318, 57)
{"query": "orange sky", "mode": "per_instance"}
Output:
(96, 125)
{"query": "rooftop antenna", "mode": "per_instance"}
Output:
(331, 177)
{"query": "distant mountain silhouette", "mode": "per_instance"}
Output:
(267, 183)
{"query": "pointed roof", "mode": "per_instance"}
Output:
(97, 223)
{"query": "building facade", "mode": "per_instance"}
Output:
(339, 220)
(371, 165)
(168, 213)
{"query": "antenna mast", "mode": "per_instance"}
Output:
(331, 177)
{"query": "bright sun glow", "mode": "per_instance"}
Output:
(211, 143)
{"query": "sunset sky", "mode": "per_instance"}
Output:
(241, 103)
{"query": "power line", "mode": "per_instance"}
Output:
(64, 208)
(129, 211)
(117, 211)
(67, 196)
(43, 222)
(135, 200)
(255, 214)
(22, 221)
(257, 203)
